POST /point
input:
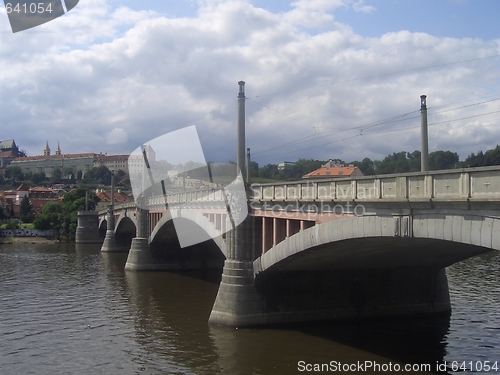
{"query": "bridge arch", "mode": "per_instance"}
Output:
(197, 221)
(432, 239)
(125, 230)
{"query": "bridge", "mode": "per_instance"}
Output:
(318, 249)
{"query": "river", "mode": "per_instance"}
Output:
(69, 309)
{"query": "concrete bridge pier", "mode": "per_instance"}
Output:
(238, 303)
(109, 244)
(139, 257)
(87, 231)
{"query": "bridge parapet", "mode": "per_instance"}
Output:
(458, 184)
(158, 202)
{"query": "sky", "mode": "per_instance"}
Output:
(325, 79)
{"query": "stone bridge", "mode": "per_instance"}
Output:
(321, 249)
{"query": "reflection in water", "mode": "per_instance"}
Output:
(67, 310)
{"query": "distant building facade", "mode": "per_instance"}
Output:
(48, 163)
(38, 197)
(8, 152)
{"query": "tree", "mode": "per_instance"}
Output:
(68, 173)
(39, 177)
(475, 160)
(50, 218)
(492, 157)
(26, 210)
(366, 166)
(57, 175)
(101, 174)
(439, 160)
(64, 216)
(14, 173)
(414, 161)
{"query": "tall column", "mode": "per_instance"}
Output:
(238, 303)
(240, 160)
(424, 159)
(139, 257)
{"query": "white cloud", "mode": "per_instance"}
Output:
(117, 136)
(359, 6)
(103, 79)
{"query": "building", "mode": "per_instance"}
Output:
(136, 164)
(334, 169)
(68, 163)
(114, 163)
(8, 152)
(285, 165)
(40, 196)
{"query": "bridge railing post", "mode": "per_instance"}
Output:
(465, 185)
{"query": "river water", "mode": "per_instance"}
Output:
(73, 310)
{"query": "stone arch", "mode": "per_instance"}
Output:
(197, 219)
(361, 241)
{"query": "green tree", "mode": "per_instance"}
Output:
(26, 210)
(57, 175)
(39, 177)
(475, 160)
(64, 216)
(366, 166)
(68, 173)
(492, 157)
(100, 174)
(50, 218)
(439, 160)
(14, 173)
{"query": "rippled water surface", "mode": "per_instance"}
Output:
(67, 310)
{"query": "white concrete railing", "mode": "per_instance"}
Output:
(449, 185)
(482, 184)
(158, 202)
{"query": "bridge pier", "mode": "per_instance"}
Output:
(109, 245)
(87, 230)
(139, 257)
(238, 303)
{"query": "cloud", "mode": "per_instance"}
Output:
(116, 136)
(102, 79)
(360, 6)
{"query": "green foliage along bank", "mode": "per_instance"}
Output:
(62, 216)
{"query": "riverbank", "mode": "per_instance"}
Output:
(30, 240)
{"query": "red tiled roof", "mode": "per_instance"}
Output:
(332, 171)
(105, 196)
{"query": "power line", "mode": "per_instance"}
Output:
(390, 120)
(385, 131)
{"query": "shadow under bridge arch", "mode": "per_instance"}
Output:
(436, 240)
(207, 247)
(368, 267)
